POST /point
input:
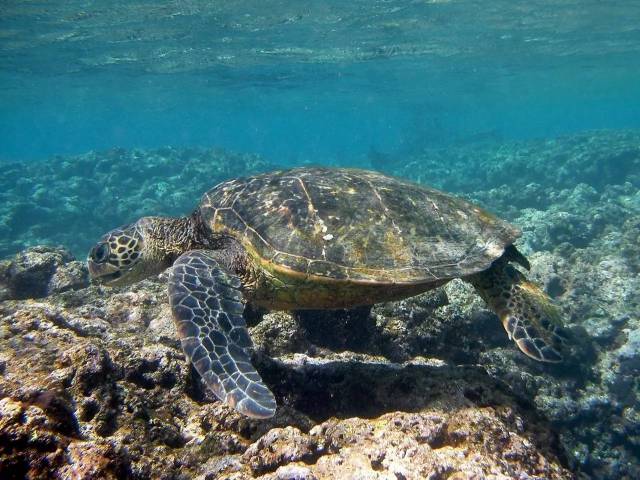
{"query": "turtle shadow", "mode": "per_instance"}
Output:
(339, 388)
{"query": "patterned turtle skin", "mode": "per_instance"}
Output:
(318, 238)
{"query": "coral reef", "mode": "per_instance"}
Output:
(97, 385)
(71, 200)
(93, 381)
(530, 168)
(577, 201)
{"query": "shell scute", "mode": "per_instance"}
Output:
(357, 225)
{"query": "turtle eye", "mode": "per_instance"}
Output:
(100, 253)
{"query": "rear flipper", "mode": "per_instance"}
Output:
(207, 307)
(527, 313)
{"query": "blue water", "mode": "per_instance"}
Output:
(320, 82)
(441, 91)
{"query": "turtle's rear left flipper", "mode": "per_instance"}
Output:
(206, 302)
(527, 313)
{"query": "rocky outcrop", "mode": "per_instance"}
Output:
(39, 272)
(94, 384)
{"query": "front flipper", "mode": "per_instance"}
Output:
(527, 313)
(206, 302)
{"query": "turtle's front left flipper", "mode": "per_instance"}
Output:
(206, 302)
(528, 315)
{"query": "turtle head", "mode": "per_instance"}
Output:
(131, 253)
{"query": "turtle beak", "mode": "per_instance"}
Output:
(104, 273)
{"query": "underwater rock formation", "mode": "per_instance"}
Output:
(93, 380)
(69, 200)
(39, 272)
(598, 159)
(96, 386)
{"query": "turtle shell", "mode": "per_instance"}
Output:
(355, 225)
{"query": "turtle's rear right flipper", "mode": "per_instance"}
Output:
(206, 303)
(527, 313)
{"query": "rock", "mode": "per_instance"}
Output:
(281, 446)
(31, 446)
(93, 385)
(69, 276)
(513, 170)
(41, 271)
(430, 444)
(466, 443)
(279, 333)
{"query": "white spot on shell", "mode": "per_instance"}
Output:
(494, 249)
(328, 237)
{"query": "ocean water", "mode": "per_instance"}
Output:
(320, 82)
(112, 110)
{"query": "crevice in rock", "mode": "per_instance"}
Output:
(323, 389)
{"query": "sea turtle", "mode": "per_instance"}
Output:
(318, 238)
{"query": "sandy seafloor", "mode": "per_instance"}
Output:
(93, 382)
